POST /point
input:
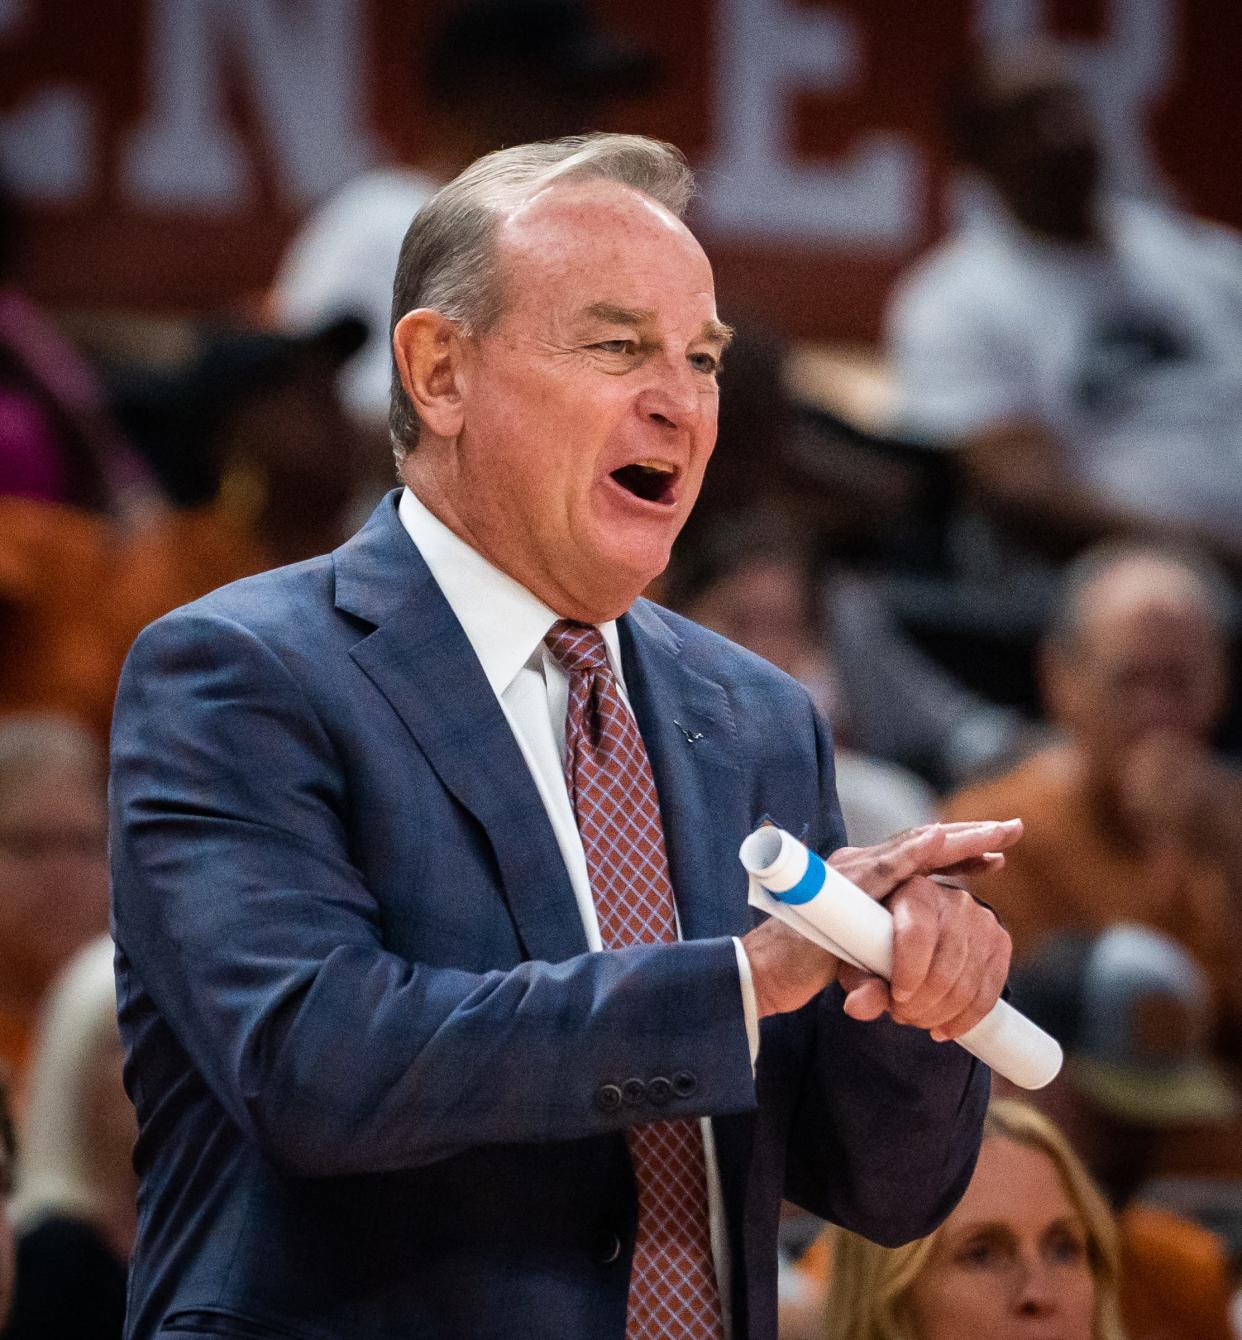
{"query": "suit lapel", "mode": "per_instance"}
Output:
(687, 726)
(421, 661)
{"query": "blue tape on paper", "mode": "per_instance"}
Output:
(810, 883)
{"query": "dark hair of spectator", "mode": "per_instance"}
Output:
(555, 44)
(978, 96)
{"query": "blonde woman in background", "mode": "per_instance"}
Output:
(74, 1207)
(1030, 1253)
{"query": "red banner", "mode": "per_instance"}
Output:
(166, 149)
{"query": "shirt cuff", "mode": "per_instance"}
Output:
(749, 1008)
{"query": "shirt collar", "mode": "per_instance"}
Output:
(504, 623)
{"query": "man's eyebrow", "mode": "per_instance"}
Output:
(620, 316)
(715, 331)
(719, 333)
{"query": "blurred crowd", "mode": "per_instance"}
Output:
(1013, 592)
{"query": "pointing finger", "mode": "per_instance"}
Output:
(975, 840)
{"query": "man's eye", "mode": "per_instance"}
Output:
(708, 363)
(615, 346)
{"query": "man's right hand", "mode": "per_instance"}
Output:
(788, 970)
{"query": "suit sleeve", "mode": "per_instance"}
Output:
(239, 910)
(886, 1124)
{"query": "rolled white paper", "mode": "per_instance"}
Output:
(791, 882)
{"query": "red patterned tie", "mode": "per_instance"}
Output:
(673, 1290)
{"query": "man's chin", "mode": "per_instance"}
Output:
(615, 579)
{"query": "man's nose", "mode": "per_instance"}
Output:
(671, 399)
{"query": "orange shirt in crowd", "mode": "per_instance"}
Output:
(177, 559)
(1069, 874)
(1174, 1278)
(75, 591)
(57, 649)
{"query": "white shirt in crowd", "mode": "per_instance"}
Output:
(342, 263)
(505, 625)
(1129, 353)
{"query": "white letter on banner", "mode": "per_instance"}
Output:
(303, 63)
(47, 142)
(766, 51)
(1123, 74)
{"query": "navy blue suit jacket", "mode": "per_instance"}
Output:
(368, 1048)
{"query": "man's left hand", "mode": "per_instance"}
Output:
(950, 962)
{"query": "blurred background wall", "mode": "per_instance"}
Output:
(167, 148)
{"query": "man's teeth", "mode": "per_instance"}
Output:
(661, 467)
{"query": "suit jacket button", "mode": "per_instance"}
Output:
(608, 1097)
(684, 1083)
(608, 1249)
(633, 1091)
(659, 1090)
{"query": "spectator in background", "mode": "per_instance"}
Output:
(75, 1206)
(58, 442)
(754, 584)
(53, 866)
(57, 646)
(1133, 1012)
(1081, 350)
(1031, 1249)
(791, 488)
(252, 409)
(1141, 1094)
(902, 705)
(76, 587)
(496, 72)
(773, 456)
(1131, 817)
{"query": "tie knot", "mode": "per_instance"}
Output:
(577, 646)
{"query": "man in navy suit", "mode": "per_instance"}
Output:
(388, 1081)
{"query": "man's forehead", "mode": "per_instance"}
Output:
(578, 198)
(582, 256)
(597, 223)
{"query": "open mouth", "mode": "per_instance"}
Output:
(652, 481)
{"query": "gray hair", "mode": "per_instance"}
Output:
(448, 257)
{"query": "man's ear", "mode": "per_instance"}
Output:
(427, 348)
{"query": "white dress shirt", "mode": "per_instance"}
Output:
(506, 625)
